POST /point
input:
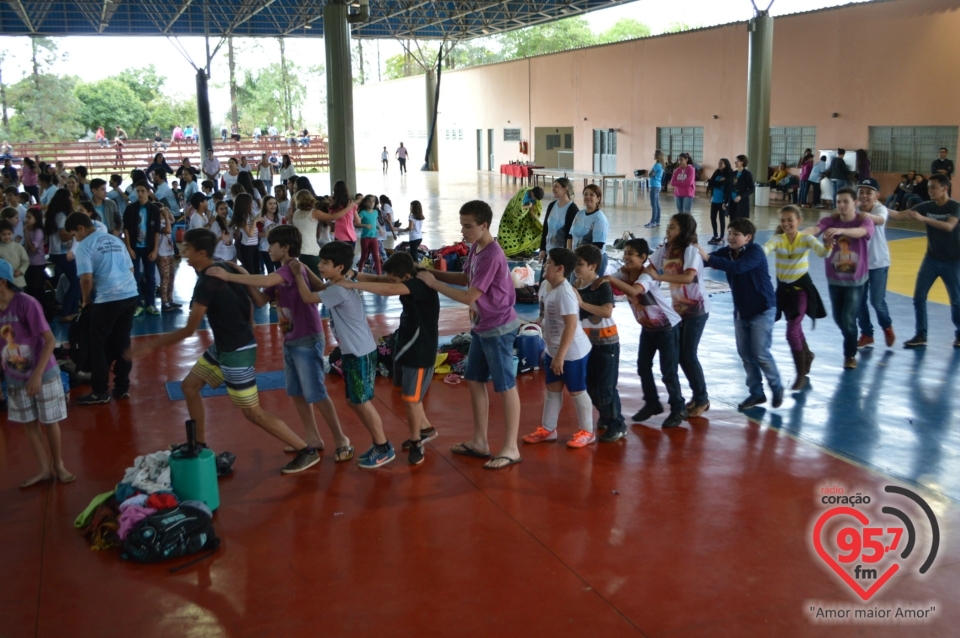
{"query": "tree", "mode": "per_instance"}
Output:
(234, 118)
(264, 98)
(3, 95)
(167, 113)
(145, 83)
(624, 29)
(677, 27)
(47, 113)
(38, 46)
(109, 102)
(551, 37)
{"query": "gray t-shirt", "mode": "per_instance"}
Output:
(942, 245)
(349, 320)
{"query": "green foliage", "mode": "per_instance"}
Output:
(45, 108)
(168, 113)
(147, 85)
(624, 29)
(551, 37)
(262, 98)
(677, 27)
(108, 103)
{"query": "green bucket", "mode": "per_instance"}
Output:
(194, 478)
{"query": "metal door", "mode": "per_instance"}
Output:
(490, 149)
(479, 149)
(604, 151)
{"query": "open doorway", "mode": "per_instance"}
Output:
(553, 147)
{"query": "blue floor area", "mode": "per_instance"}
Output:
(895, 413)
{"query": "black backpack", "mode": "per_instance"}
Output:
(170, 533)
(79, 336)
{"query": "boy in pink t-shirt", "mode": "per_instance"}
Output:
(490, 295)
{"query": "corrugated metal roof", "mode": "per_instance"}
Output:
(271, 18)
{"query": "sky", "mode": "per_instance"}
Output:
(94, 58)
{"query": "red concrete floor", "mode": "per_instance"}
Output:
(701, 531)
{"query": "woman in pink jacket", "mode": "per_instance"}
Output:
(684, 182)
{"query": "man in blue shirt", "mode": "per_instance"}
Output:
(164, 193)
(816, 174)
(754, 307)
(104, 264)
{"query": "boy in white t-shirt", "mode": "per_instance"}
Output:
(568, 351)
(660, 333)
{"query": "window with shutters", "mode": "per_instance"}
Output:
(681, 139)
(898, 149)
(787, 143)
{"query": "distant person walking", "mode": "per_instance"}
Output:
(385, 159)
(402, 158)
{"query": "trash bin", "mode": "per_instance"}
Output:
(762, 195)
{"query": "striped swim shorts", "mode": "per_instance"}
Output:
(236, 369)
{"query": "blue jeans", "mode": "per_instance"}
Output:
(802, 194)
(492, 358)
(846, 302)
(876, 290)
(837, 185)
(303, 370)
(71, 301)
(603, 374)
(691, 329)
(684, 204)
(949, 274)
(754, 336)
(667, 343)
(655, 205)
(142, 266)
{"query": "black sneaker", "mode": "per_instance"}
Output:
(647, 411)
(674, 419)
(425, 435)
(93, 399)
(305, 458)
(918, 341)
(613, 434)
(415, 455)
(777, 398)
(752, 401)
(120, 395)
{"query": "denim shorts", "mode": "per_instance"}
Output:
(574, 375)
(303, 371)
(492, 358)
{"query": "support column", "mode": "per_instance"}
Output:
(203, 114)
(759, 73)
(336, 39)
(434, 154)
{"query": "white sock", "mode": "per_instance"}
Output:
(551, 409)
(584, 411)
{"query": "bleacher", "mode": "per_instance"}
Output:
(139, 153)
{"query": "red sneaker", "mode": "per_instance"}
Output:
(581, 439)
(889, 336)
(540, 435)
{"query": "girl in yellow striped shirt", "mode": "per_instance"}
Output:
(796, 294)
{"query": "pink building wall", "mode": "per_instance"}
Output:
(888, 63)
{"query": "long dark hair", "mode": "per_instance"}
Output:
(384, 200)
(416, 210)
(303, 184)
(286, 161)
(723, 168)
(341, 196)
(61, 202)
(242, 210)
(245, 180)
(688, 232)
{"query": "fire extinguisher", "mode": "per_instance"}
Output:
(523, 147)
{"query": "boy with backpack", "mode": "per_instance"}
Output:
(349, 324)
(229, 311)
(303, 340)
(754, 308)
(415, 344)
(660, 333)
(603, 368)
(568, 351)
(33, 377)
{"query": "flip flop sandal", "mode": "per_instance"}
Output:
(465, 450)
(487, 465)
(343, 454)
(452, 379)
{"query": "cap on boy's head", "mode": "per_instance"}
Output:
(869, 183)
(6, 273)
(196, 199)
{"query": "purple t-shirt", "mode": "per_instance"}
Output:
(296, 318)
(22, 326)
(849, 260)
(488, 271)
